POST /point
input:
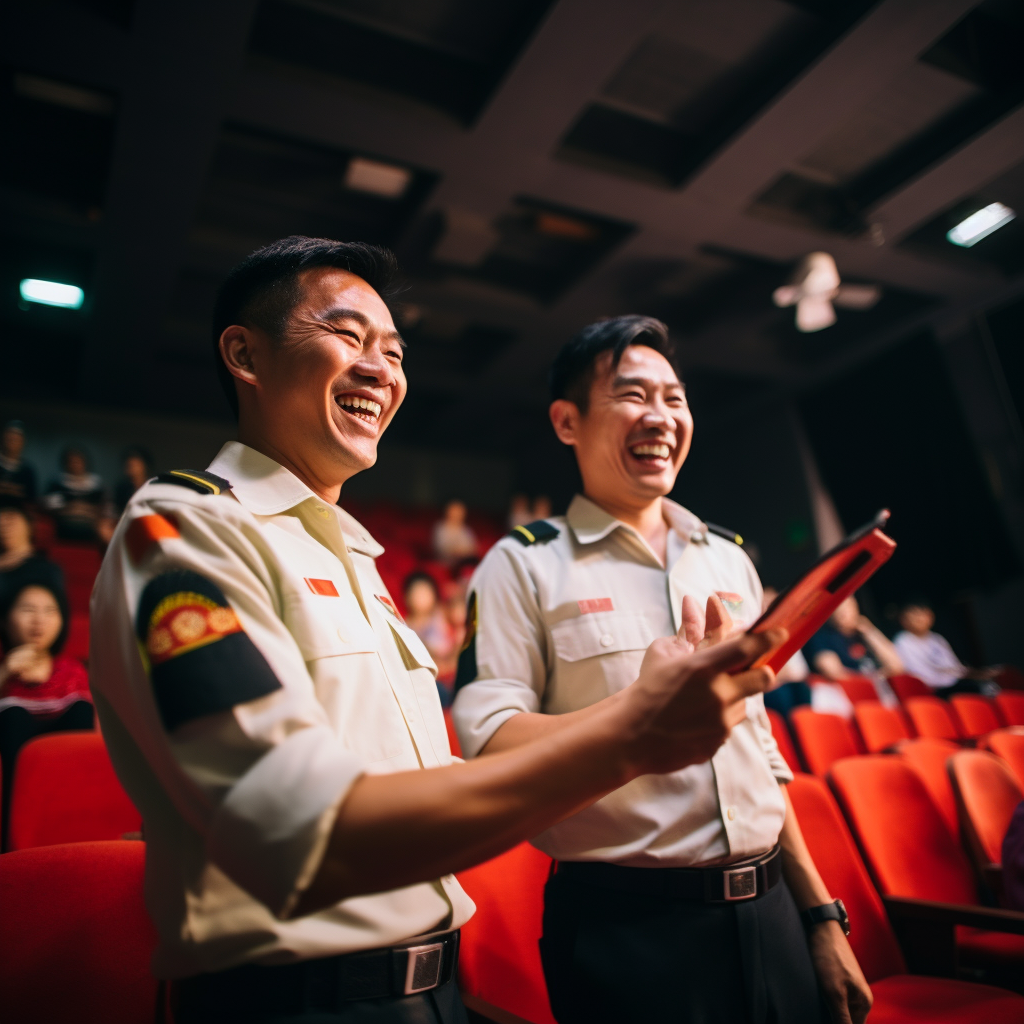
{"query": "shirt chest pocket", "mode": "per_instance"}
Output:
(324, 626)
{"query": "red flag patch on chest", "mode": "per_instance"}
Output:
(595, 604)
(325, 588)
(385, 599)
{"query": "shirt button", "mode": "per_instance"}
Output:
(731, 813)
(607, 640)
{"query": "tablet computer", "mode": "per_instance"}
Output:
(803, 608)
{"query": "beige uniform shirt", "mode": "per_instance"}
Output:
(248, 666)
(565, 622)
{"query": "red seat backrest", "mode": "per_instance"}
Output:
(499, 959)
(987, 795)
(453, 736)
(77, 643)
(65, 791)
(859, 688)
(974, 713)
(76, 941)
(1009, 745)
(880, 727)
(1010, 707)
(822, 738)
(906, 844)
(907, 686)
(927, 757)
(781, 733)
(930, 716)
(843, 872)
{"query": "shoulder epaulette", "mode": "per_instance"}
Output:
(536, 532)
(197, 479)
(721, 531)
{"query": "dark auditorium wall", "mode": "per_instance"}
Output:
(893, 432)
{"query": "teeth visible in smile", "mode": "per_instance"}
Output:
(661, 451)
(362, 404)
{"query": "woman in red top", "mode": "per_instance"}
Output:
(41, 691)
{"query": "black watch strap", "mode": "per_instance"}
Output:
(828, 912)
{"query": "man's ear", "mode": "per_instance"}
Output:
(565, 418)
(236, 349)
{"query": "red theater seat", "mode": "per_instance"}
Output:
(880, 727)
(499, 959)
(975, 714)
(781, 733)
(453, 736)
(987, 794)
(1009, 745)
(931, 717)
(907, 686)
(928, 757)
(77, 644)
(859, 688)
(1010, 707)
(75, 941)
(65, 791)
(823, 739)
(899, 998)
(911, 854)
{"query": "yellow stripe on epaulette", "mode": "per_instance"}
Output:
(196, 479)
(538, 531)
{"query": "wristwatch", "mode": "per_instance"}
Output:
(829, 912)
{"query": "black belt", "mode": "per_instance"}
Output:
(324, 983)
(729, 883)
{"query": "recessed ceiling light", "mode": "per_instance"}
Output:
(980, 225)
(52, 293)
(386, 180)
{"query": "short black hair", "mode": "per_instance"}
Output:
(421, 576)
(572, 372)
(261, 291)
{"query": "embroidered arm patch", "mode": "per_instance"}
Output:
(200, 659)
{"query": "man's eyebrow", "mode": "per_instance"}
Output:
(342, 313)
(623, 382)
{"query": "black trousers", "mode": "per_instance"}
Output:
(197, 1001)
(18, 726)
(636, 959)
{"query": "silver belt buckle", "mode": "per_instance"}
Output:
(423, 970)
(740, 883)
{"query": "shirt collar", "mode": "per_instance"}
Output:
(589, 522)
(265, 488)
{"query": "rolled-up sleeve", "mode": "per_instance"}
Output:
(507, 650)
(233, 727)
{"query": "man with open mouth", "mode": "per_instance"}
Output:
(278, 724)
(681, 897)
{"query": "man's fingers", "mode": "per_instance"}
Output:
(737, 653)
(717, 622)
(691, 629)
(733, 689)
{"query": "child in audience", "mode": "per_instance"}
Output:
(929, 656)
(849, 644)
(19, 560)
(17, 477)
(41, 691)
(424, 615)
(454, 541)
(77, 500)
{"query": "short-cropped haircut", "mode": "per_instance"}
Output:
(572, 372)
(262, 290)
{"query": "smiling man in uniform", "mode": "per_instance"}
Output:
(278, 724)
(677, 897)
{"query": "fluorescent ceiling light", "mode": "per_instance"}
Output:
(52, 293)
(386, 180)
(980, 225)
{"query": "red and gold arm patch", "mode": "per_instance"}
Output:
(200, 659)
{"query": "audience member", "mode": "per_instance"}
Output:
(424, 615)
(136, 468)
(17, 477)
(19, 560)
(791, 688)
(541, 507)
(929, 656)
(454, 541)
(77, 500)
(41, 691)
(519, 513)
(1013, 861)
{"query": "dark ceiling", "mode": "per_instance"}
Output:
(535, 164)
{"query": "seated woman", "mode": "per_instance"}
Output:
(423, 613)
(78, 502)
(19, 560)
(41, 691)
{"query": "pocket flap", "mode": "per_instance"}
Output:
(588, 636)
(413, 646)
(325, 627)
